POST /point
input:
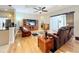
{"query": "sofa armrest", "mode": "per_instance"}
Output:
(55, 34)
(56, 42)
(52, 35)
(55, 37)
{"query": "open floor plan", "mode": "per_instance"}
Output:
(39, 29)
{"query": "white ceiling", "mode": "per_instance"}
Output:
(29, 9)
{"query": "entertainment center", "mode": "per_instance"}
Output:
(32, 24)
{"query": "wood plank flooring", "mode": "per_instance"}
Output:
(25, 45)
(30, 45)
(4, 48)
(72, 46)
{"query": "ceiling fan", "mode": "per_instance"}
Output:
(10, 7)
(40, 9)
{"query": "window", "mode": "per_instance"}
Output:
(2, 23)
(57, 21)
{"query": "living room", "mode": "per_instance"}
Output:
(33, 27)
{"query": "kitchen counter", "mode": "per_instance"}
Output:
(4, 37)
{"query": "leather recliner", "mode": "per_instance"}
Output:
(25, 33)
(61, 37)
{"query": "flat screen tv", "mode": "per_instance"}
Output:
(31, 22)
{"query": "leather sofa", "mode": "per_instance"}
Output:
(61, 37)
(25, 33)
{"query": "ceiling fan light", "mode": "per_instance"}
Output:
(40, 11)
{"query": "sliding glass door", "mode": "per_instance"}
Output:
(56, 22)
(62, 20)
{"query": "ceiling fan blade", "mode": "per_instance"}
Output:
(45, 11)
(43, 7)
(36, 9)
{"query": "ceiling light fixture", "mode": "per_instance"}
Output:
(41, 9)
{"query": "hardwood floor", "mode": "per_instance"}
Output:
(72, 46)
(4, 48)
(25, 45)
(30, 45)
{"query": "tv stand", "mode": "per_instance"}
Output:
(32, 24)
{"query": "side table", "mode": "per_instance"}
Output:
(45, 44)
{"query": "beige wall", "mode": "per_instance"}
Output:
(21, 16)
(43, 19)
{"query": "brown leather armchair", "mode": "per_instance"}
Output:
(25, 33)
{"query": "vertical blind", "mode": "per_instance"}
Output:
(57, 21)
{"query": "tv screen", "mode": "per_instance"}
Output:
(32, 23)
